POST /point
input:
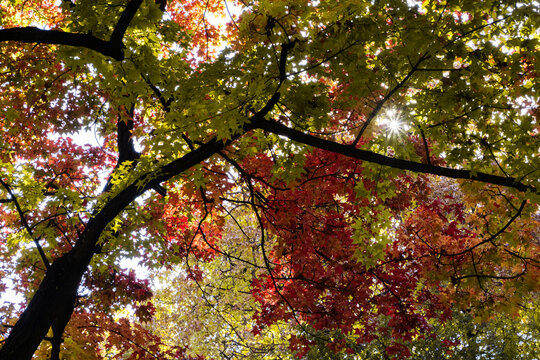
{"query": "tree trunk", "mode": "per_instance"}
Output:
(54, 299)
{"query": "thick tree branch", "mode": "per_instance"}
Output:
(347, 150)
(124, 21)
(124, 132)
(126, 147)
(112, 48)
(32, 34)
(58, 327)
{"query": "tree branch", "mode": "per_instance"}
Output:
(113, 48)
(124, 21)
(383, 101)
(32, 34)
(25, 223)
(369, 156)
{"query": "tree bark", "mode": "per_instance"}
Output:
(53, 300)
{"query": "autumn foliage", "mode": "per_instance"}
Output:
(308, 179)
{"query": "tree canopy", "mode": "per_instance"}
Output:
(317, 179)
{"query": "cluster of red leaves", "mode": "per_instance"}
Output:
(45, 12)
(99, 335)
(483, 250)
(45, 101)
(180, 235)
(117, 289)
(316, 277)
(198, 18)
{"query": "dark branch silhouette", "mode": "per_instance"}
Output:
(347, 150)
(113, 48)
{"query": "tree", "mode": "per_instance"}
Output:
(348, 170)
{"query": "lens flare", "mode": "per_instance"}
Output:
(392, 122)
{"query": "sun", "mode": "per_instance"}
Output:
(395, 126)
(392, 122)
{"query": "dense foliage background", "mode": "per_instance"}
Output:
(215, 179)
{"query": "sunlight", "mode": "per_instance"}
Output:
(392, 122)
(394, 125)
